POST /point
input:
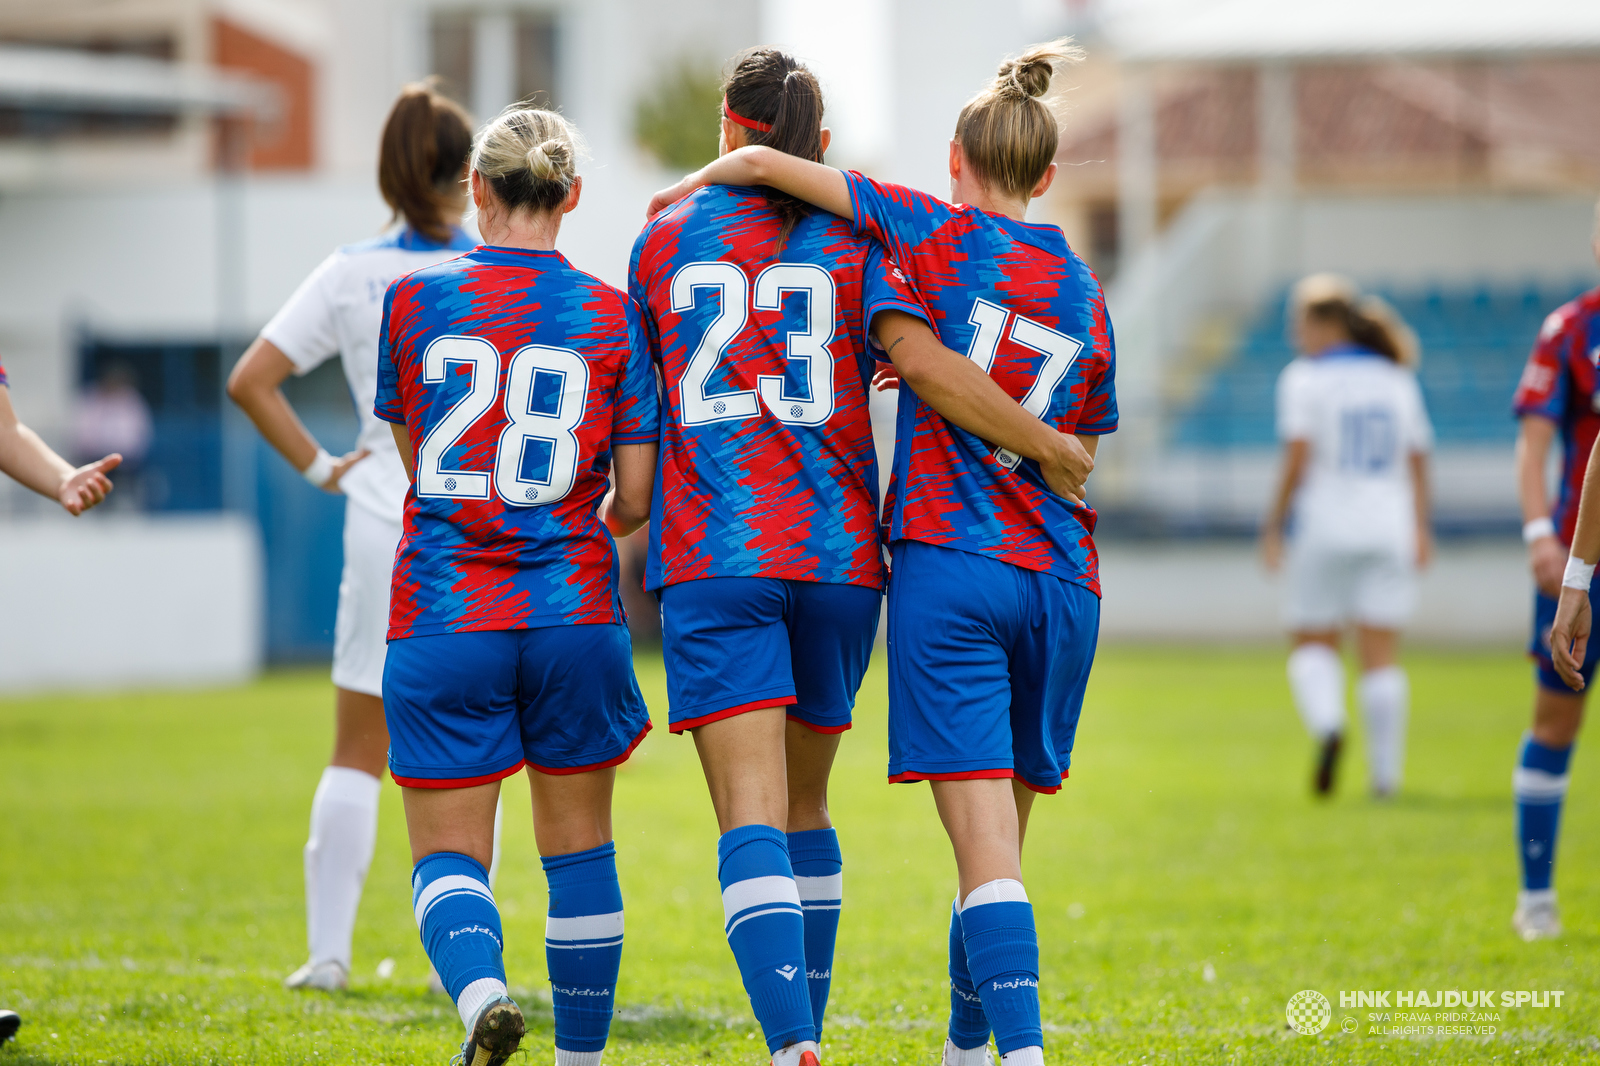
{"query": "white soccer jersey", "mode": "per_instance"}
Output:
(1363, 417)
(338, 310)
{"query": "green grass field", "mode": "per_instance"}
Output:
(1185, 885)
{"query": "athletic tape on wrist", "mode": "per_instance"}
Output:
(1579, 574)
(320, 470)
(1537, 529)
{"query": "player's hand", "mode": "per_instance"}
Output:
(341, 467)
(1569, 636)
(667, 197)
(1424, 548)
(88, 485)
(1548, 561)
(1069, 468)
(1271, 547)
(885, 377)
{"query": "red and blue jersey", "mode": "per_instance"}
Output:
(514, 374)
(1022, 305)
(1559, 383)
(767, 466)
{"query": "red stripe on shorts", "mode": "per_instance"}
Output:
(557, 771)
(729, 712)
(453, 782)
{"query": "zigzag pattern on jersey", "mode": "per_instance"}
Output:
(960, 495)
(757, 497)
(467, 564)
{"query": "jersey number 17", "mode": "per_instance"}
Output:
(1059, 350)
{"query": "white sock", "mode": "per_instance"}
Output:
(1316, 677)
(790, 1056)
(475, 995)
(1001, 890)
(1526, 898)
(494, 858)
(344, 830)
(578, 1058)
(1385, 695)
(965, 1056)
(1024, 1056)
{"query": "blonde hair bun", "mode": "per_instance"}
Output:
(1007, 132)
(529, 157)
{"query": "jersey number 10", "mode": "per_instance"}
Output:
(811, 346)
(537, 458)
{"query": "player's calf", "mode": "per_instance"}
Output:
(1003, 957)
(583, 949)
(765, 928)
(460, 927)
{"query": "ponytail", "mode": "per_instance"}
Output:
(425, 143)
(1007, 133)
(779, 102)
(1369, 321)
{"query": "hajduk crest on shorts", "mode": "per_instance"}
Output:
(1023, 306)
(767, 464)
(514, 374)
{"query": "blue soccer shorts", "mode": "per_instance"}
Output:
(736, 644)
(1544, 616)
(987, 667)
(469, 708)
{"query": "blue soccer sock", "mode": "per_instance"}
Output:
(762, 916)
(818, 864)
(583, 945)
(969, 1026)
(1003, 958)
(1540, 784)
(460, 928)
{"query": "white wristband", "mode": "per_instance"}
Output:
(1537, 529)
(1579, 574)
(320, 470)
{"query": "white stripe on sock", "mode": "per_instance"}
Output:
(578, 1058)
(829, 887)
(447, 885)
(756, 914)
(584, 927)
(1002, 890)
(754, 891)
(1538, 785)
(1024, 1056)
(475, 995)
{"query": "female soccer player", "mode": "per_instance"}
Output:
(1355, 471)
(994, 602)
(27, 459)
(1559, 391)
(513, 388)
(336, 311)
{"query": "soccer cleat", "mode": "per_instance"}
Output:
(1327, 764)
(800, 1053)
(10, 1022)
(327, 976)
(495, 1034)
(1536, 917)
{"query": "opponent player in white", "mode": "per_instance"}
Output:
(1356, 441)
(337, 310)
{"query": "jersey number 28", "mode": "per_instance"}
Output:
(537, 458)
(1058, 349)
(697, 406)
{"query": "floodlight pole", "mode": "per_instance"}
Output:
(238, 448)
(1137, 188)
(1277, 164)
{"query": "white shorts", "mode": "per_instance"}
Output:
(1330, 586)
(361, 630)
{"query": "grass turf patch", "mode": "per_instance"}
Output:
(1185, 885)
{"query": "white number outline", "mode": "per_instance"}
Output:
(432, 481)
(698, 408)
(1060, 352)
(815, 282)
(525, 424)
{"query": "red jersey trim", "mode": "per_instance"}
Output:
(729, 712)
(455, 782)
(912, 776)
(815, 728)
(561, 771)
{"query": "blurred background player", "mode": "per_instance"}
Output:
(764, 544)
(31, 462)
(336, 311)
(512, 387)
(994, 605)
(1356, 439)
(1557, 394)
